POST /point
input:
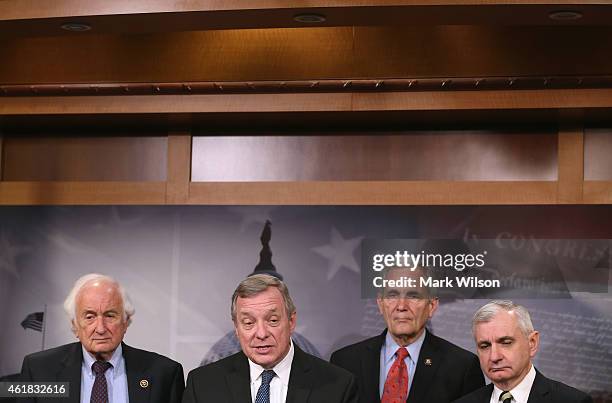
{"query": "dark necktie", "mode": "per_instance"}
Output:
(263, 394)
(99, 392)
(505, 397)
(396, 385)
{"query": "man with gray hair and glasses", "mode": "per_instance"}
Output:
(506, 342)
(270, 368)
(100, 368)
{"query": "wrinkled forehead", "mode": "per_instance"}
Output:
(501, 324)
(268, 301)
(404, 282)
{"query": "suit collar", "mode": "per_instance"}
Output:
(427, 364)
(371, 368)
(540, 389)
(301, 379)
(138, 379)
(238, 379)
(70, 370)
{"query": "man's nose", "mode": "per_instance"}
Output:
(261, 332)
(402, 303)
(100, 325)
(496, 353)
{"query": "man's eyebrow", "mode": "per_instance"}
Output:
(505, 338)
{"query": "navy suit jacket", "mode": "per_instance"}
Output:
(165, 381)
(543, 390)
(312, 380)
(443, 373)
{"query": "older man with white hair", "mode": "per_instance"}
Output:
(506, 342)
(100, 368)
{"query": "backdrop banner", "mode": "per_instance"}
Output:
(180, 265)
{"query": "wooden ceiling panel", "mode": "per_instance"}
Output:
(310, 53)
(273, 54)
(473, 51)
(35, 18)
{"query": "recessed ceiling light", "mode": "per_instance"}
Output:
(310, 18)
(565, 15)
(76, 27)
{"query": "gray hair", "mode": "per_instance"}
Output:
(70, 302)
(488, 311)
(258, 283)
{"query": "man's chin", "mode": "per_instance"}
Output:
(404, 331)
(102, 347)
(499, 375)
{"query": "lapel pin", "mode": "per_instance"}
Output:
(428, 362)
(144, 383)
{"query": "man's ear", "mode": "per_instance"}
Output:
(74, 328)
(379, 301)
(293, 321)
(434, 306)
(534, 343)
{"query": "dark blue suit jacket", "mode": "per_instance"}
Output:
(165, 381)
(443, 373)
(312, 380)
(544, 390)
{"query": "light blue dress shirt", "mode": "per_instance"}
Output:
(116, 378)
(387, 357)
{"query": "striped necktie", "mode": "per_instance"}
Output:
(505, 397)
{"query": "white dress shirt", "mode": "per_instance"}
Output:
(520, 393)
(279, 384)
(116, 378)
(387, 358)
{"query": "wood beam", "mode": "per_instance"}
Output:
(597, 192)
(571, 163)
(309, 102)
(179, 167)
(373, 193)
(62, 193)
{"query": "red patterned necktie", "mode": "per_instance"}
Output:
(99, 391)
(396, 385)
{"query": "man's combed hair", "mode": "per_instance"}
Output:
(488, 311)
(258, 283)
(70, 302)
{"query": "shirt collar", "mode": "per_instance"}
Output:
(282, 369)
(413, 349)
(115, 359)
(520, 393)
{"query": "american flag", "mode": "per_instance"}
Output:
(33, 321)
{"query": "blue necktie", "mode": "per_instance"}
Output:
(263, 394)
